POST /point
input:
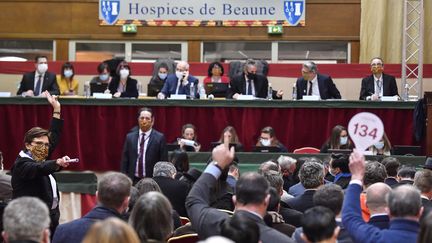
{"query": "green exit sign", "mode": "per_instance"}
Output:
(274, 29)
(129, 28)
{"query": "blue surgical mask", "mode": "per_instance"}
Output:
(104, 77)
(343, 140)
(68, 73)
(379, 145)
(162, 75)
(265, 142)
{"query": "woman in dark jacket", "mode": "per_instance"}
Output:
(123, 86)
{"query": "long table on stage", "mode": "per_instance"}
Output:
(95, 129)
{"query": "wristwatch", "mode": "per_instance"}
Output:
(215, 163)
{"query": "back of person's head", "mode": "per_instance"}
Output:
(26, 218)
(240, 229)
(404, 201)
(113, 188)
(425, 235)
(374, 172)
(111, 230)
(407, 172)
(275, 180)
(392, 165)
(147, 185)
(330, 196)
(423, 180)
(340, 161)
(319, 224)
(268, 166)
(164, 169)
(151, 217)
(286, 162)
(311, 175)
(274, 200)
(376, 197)
(251, 188)
(180, 159)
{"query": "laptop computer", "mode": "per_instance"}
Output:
(266, 149)
(406, 150)
(154, 89)
(218, 90)
(98, 88)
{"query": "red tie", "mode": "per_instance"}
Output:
(141, 156)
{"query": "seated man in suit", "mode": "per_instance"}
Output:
(251, 199)
(35, 83)
(404, 206)
(319, 225)
(314, 83)
(250, 83)
(378, 84)
(179, 83)
(138, 161)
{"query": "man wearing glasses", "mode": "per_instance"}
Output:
(378, 84)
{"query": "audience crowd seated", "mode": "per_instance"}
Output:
(123, 86)
(268, 139)
(66, 82)
(215, 74)
(338, 140)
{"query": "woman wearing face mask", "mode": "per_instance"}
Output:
(124, 86)
(32, 174)
(383, 147)
(161, 76)
(268, 139)
(103, 74)
(215, 74)
(338, 140)
(66, 82)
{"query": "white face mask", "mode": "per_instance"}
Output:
(162, 75)
(124, 73)
(68, 73)
(379, 145)
(343, 140)
(265, 142)
(42, 68)
(179, 75)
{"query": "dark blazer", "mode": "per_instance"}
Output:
(75, 230)
(390, 181)
(368, 86)
(343, 236)
(290, 216)
(302, 202)
(403, 182)
(170, 86)
(343, 182)
(176, 192)
(207, 221)
(326, 87)
(156, 151)
(131, 87)
(380, 221)
(49, 83)
(400, 230)
(238, 85)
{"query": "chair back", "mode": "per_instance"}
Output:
(306, 150)
(184, 220)
(189, 238)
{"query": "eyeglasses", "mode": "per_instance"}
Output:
(39, 143)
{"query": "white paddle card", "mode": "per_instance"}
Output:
(365, 129)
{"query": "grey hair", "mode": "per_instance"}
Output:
(285, 161)
(275, 179)
(404, 201)
(249, 62)
(26, 218)
(311, 66)
(183, 63)
(165, 169)
(374, 172)
(311, 175)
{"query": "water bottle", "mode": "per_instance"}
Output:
(269, 92)
(202, 92)
(406, 92)
(294, 92)
(139, 87)
(192, 91)
(87, 90)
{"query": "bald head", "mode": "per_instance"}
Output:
(376, 197)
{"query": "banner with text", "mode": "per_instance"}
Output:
(203, 13)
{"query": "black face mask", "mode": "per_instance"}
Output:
(251, 75)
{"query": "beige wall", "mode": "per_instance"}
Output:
(349, 88)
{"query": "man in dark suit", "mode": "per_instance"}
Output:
(378, 84)
(138, 161)
(423, 182)
(251, 199)
(404, 206)
(311, 177)
(179, 83)
(405, 175)
(34, 83)
(340, 170)
(376, 195)
(314, 83)
(250, 83)
(392, 165)
(176, 191)
(112, 194)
